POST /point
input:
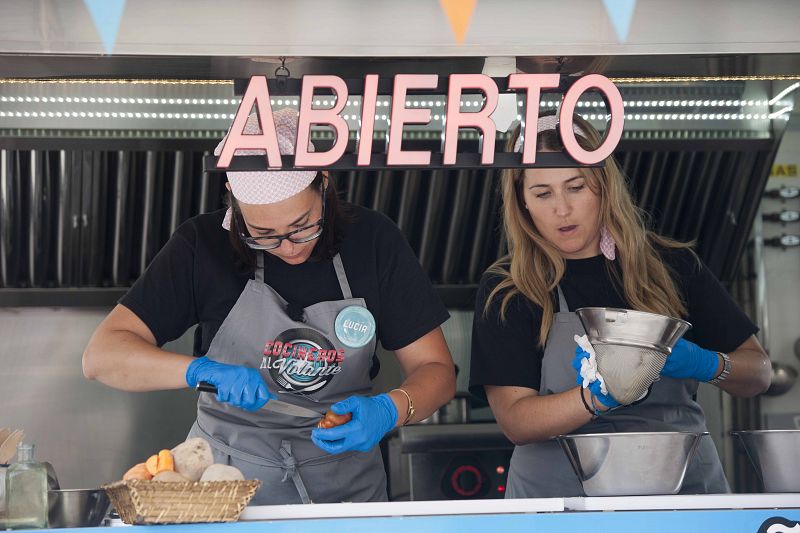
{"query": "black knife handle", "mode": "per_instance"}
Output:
(206, 387)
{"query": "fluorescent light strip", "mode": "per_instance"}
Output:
(780, 112)
(784, 92)
(415, 103)
(218, 116)
(118, 100)
(115, 114)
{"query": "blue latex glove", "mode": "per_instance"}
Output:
(688, 360)
(373, 417)
(237, 385)
(594, 387)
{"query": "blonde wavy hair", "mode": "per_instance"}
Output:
(534, 267)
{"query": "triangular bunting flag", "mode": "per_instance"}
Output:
(106, 15)
(459, 13)
(621, 13)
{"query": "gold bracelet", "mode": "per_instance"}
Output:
(410, 411)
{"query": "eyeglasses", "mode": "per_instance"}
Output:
(298, 236)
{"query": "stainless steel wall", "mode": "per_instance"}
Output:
(89, 432)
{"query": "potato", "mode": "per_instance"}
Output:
(222, 473)
(169, 476)
(192, 457)
(137, 472)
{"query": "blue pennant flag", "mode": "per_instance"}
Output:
(106, 15)
(621, 13)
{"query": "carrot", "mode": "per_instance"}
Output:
(165, 462)
(332, 420)
(152, 465)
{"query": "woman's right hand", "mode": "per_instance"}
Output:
(237, 385)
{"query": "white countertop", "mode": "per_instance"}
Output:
(523, 506)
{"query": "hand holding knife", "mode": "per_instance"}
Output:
(241, 386)
(272, 404)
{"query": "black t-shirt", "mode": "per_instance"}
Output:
(194, 280)
(508, 353)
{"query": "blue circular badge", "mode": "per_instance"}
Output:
(355, 326)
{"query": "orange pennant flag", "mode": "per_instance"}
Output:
(459, 13)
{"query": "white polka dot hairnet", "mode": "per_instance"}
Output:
(269, 187)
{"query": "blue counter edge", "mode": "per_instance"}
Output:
(746, 520)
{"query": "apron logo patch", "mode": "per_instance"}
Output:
(302, 360)
(355, 326)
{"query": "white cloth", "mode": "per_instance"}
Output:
(589, 371)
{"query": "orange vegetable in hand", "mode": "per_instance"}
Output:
(160, 463)
(138, 472)
(332, 420)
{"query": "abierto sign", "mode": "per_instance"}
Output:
(529, 87)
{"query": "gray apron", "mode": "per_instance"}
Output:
(541, 470)
(277, 448)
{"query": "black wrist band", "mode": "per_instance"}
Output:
(586, 405)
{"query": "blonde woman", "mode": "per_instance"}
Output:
(577, 240)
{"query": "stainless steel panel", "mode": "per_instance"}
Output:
(409, 196)
(62, 223)
(457, 227)
(120, 210)
(350, 185)
(381, 196)
(5, 216)
(205, 183)
(177, 191)
(147, 229)
(432, 221)
(35, 183)
(89, 432)
(481, 228)
(77, 217)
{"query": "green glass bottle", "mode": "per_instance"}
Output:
(26, 491)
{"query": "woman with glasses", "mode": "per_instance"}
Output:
(290, 291)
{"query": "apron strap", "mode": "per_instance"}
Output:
(290, 470)
(260, 266)
(562, 302)
(342, 277)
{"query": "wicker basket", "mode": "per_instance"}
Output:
(156, 502)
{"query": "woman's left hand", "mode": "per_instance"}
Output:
(688, 360)
(373, 417)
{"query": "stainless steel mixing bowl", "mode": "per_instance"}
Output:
(776, 456)
(625, 327)
(630, 464)
(77, 507)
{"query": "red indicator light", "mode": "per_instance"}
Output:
(501, 470)
(501, 488)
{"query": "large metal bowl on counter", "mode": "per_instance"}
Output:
(77, 507)
(630, 464)
(775, 454)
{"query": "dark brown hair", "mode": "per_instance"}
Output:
(337, 216)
